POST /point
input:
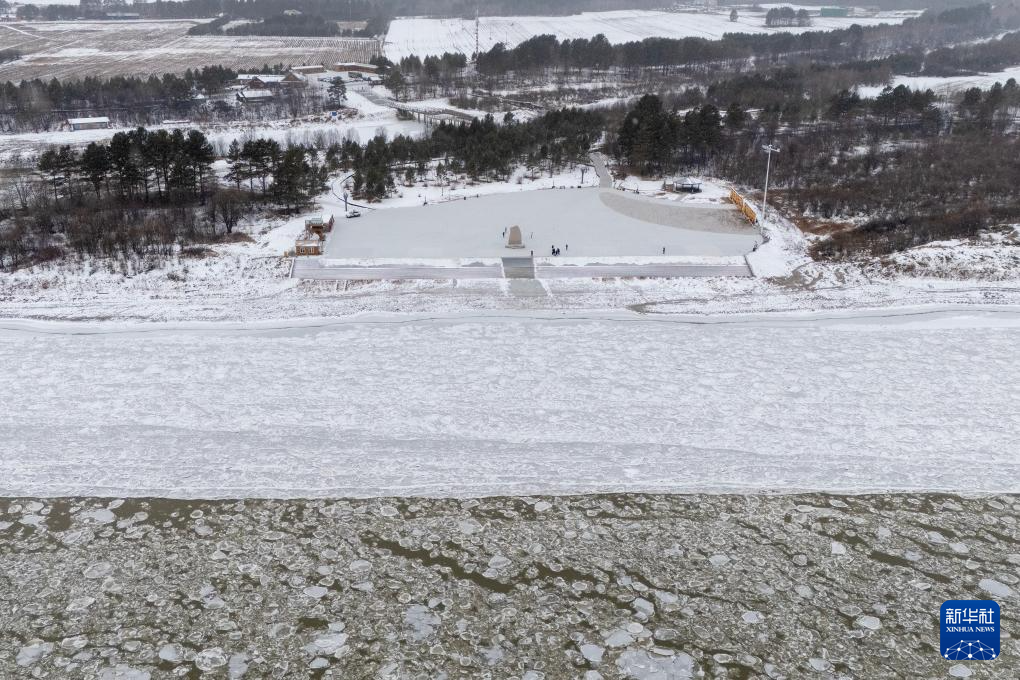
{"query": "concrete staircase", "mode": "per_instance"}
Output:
(518, 268)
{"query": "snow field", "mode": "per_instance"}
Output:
(72, 49)
(946, 85)
(424, 36)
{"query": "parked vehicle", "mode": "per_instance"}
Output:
(353, 213)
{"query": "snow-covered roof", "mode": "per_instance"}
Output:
(313, 68)
(263, 78)
(316, 220)
(86, 121)
(341, 65)
(256, 94)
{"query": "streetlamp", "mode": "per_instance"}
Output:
(769, 149)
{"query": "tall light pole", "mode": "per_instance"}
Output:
(769, 149)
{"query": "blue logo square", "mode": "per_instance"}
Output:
(970, 630)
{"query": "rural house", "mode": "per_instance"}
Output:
(254, 96)
(261, 81)
(98, 123)
(308, 70)
(319, 225)
(308, 244)
(356, 68)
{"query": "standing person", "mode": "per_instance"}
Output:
(566, 247)
(663, 250)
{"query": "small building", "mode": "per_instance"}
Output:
(308, 244)
(319, 225)
(684, 185)
(291, 12)
(356, 67)
(266, 81)
(97, 123)
(835, 12)
(254, 96)
(308, 70)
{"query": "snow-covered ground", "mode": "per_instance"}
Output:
(68, 49)
(424, 36)
(249, 281)
(994, 256)
(712, 192)
(22, 148)
(370, 119)
(946, 85)
(522, 403)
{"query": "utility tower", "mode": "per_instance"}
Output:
(477, 42)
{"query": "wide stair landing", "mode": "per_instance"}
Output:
(518, 268)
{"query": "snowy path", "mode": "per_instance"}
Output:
(496, 404)
(314, 269)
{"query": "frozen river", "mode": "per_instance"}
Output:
(492, 404)
(632, 587)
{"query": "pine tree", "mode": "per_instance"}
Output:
(95, 165)
(238, 167)
(336, 95)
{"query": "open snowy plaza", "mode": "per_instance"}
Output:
(467, 405)
(586, 222)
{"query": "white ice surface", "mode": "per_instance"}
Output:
(513, 403)
(575, 219)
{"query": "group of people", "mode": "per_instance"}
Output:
(556, 251)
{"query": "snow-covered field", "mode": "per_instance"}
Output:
(424, 36)
(67, 49)
(946, 85)
(513, 403)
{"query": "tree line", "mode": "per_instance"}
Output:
(546, 53)
(147, 165)
(199, 94)
(304, 25)
(92, 92)
(290, 176)
(481, 149)
(787, 16)
(886, 172)
(149, 194)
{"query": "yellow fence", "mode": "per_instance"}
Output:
(743, 207)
